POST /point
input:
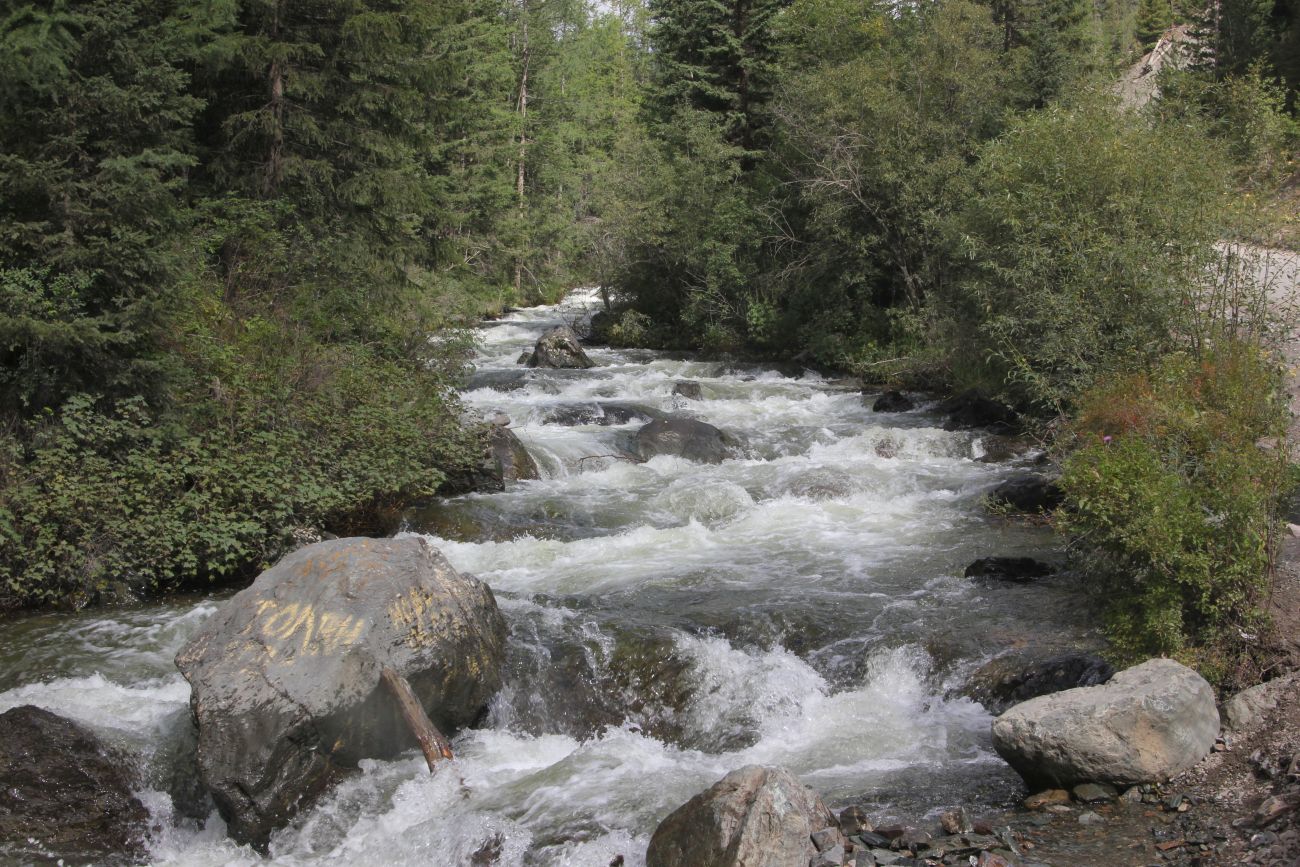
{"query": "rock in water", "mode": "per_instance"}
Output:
(63, 792)
(1021, 570)
(1029, 494)
(893, 401)
(559, 347)
(972, 409)
(285, 678)
(689, 389)
(752, 817)
(683, 437)
(1147, 724)
(1010, 680)
(510, 459)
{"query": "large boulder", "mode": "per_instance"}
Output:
(753, 817)
(1148, 724)
(64, 794)
(683, 437)
(559, 347)
(286, 677)
(893, 401)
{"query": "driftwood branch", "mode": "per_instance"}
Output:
(433, 744)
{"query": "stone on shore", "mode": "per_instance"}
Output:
(753, 817)
(1148, 724)
(893, 401)
(970, 409)
(286, 677)
(1030, 494)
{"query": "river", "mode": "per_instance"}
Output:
(802, 604)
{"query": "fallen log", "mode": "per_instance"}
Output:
(433, 743)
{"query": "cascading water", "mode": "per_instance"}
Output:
(801, 605)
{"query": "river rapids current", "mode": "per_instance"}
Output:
(801, 605)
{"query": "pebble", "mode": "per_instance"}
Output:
(827, 839)
(1263, 838)
(1088, 817)
(1047, 799)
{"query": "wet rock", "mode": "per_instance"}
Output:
(559, 348)
(753, 817)
(1021, 570)
(683, 437)
(913, 840)
(1247, 710)
(1147, 724)
(286, 677)
(524, 356)
(996, 448)
(504, 459)
(1009, 680)
(603, 413)
(956, 821)
(970, 409)
(893, 401)
(497, 380)
(1093, 793)
(854, 820)
(1030, 495)
(688, 389)
(1048, 798)
(64, 793)
(1088, 817)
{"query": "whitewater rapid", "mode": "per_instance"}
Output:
(801, 604)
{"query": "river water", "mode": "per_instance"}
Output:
(802, 604)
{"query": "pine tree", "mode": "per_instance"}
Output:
(95, 132)
(1153, 18)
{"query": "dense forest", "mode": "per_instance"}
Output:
(241, 242)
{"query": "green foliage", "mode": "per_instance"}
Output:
(1082, 250)
(1172, 505)
(1153, 18)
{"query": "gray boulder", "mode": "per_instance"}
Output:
(1248, 709)
(1148, 724)
(559, 347)
(286, 677)
(65, 795)
(753, 817)
(689, 389)
(683, 437)
(1009, 680)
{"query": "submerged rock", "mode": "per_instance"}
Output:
(1028, 494)
(683, 437)
(1147, 724)
(688, 389)
(1019, 569)
(286, 677)
(63, 794)
(603, 413)
(1009, 680)
(559, 347)
(753, 817)
(893, 401)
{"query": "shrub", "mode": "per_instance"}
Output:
(1172, 504)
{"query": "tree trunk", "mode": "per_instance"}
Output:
(523, 141)
(433, 744)
(275, 158)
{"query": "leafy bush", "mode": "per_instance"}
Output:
(1172, 504)
(103, 495)
(1082, 251)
